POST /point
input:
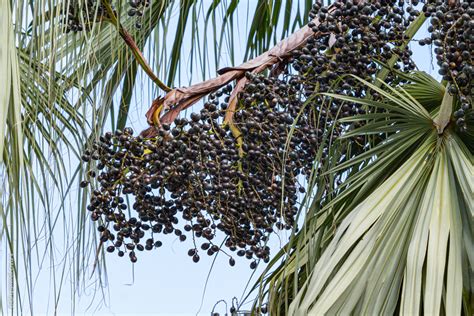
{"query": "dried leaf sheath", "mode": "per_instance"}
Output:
(181, 98)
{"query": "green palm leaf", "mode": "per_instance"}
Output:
(403, 218)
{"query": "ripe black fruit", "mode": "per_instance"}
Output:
(194, 179)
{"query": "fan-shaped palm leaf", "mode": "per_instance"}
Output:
(404, 218)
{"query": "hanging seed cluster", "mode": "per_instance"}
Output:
(198, 181)
(78, 13)
(351, 38)
(452, 34)
(194, 172)
(271, 109)
(137, 9)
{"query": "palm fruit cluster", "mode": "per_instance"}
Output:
(452, 34)
(79, 15)
(200, 182)
(193, 171)
(351, 39)
(137, 9)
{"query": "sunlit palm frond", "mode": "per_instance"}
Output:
(403, 218)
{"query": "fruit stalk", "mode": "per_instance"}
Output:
(128, 39)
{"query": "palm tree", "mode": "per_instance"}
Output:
(380, 242)
(62, 89)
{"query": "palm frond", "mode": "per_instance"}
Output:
(403, 218)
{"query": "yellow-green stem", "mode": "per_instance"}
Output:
(237, 135)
